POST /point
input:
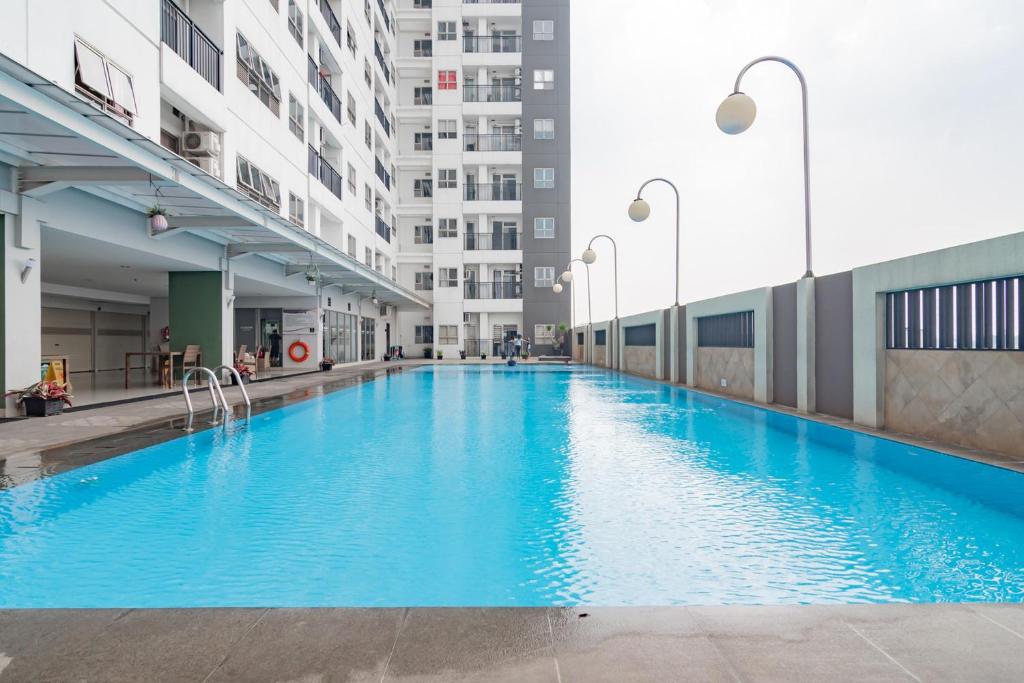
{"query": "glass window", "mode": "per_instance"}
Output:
(544, 334)
(448, 227)
(544, 276)
(423, 187)
(449, 277)
(423, 234)
(543, 79)
(447, 129)
(368, 197)
(543, 29)
(447, 80)
(544, 129)
(424, 281)
(543, 178)
(448, 179)
(352, 246)
(424, 334)
(544, 227)
(448, 334)
(296, 118)
(296, 209)
(446, 30)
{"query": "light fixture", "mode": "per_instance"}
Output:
(567, 276)
(639, 210)
(29, 265)
(589, 256)
(374, 301)
(557, 288)
(231, 300)
(736, 113)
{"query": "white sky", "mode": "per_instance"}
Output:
(917, 136)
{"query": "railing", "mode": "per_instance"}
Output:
(324, 172)
(190, 43)
(493, 142)
(492, 44)
(332, 21)
(477, 241)
(383, 229)
(734, 330)
(474, 347)
(384, 14)
(492, 93)
(493, 192)
(384, 176)
(491, 2)
(324, 88)
(381, 117)
(380, 60)
(492, 290)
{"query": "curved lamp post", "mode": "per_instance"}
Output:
(590, 256)
(736, 114)
(557, 288)
(639, 210)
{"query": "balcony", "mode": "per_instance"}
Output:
(324, 89)
(332, 21)
(492, 93)
(324, 172)
(499, 241)
(380, 60)
(383, 229)
(492, 142)
(492, 44)
(384, 14)
(381, 117)
(384, 176)
(493, 192)
(190, 43)
(492, 290)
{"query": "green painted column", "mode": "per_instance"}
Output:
(198, 314)
(3, 311)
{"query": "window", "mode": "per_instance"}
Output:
(423, 47)
(257, 184)
(106, 84)
(296, 118)
(351, 109)
(447, 80)
(261, 79)
(368, 192)
(422, 4)
(544, 276)
(295, 22)
(423, 187)
(350, 39)
(423, 141)
(448, 334)
(543, 178)
(446, 30)
(543, 129)
(368, 256)
(424, 281)
(447, 129)
(367, 73)
(422, 95)
(543, 79)
(366, 11)
(447, 179)
(170, 141)
(448, 227)
(544, 335)
(543, 227)
(543, 29)
(449, 277)
(368, 134)
(352, 179)
(424, 333)
(352, 246)
(296, 209)
(423, 234)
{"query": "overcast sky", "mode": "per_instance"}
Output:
(917, 136)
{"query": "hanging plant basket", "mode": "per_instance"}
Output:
(157, 219)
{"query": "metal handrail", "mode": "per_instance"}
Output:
(214, 386)
(238, 379)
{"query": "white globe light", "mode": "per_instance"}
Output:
(557, 288)
(567, 276)
(639, 210)
(589, 256)
(736, 113)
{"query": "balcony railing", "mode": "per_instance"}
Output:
(384, 176)
(384, 14)
(492, 43)
(324, 89)
(492, 290)
(380, 60)
(332, 20)
(382, 117)
(492, 93)
(491, 2)
(383, 229)
(190, 43)
(324, 172)
(503, 241)
(493, 192)
(492, 142)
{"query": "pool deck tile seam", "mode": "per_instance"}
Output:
(231, 648)
(880, 649)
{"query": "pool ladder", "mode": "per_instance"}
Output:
(216, 394)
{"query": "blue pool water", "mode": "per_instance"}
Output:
(494, 486)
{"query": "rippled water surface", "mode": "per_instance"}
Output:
(491, 486)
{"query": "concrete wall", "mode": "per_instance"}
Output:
(784, 343)
(640, 360)
(726, 370)
(969, 398)
(833, 365)
(644, 360)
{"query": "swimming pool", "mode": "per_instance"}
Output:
(485, 485)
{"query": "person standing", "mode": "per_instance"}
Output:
(519, 345)
(275, 346)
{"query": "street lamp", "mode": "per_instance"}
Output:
(557, 288)
(639, 210)
(589, 256)
(736, 114)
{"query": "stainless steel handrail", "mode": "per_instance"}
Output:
(241, 385)
(215, 393)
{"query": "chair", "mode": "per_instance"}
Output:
(165, 366)
(190, 359)
(241, 353)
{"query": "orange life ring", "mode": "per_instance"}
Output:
(301, 346)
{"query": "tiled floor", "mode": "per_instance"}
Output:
(806, 643)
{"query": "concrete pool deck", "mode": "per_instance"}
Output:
(799, 643)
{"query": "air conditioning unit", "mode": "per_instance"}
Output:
(519, 71)
(201, 143)
(385, 310)
(519, 126)
(209, 164)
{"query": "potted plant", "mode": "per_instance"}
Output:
(483, 356)
(440, 355)
(326, 364)
(157, 218)
(43, 399)
(462, 354)
(428, 353)
(244, 371)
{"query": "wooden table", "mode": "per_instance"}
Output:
(159, 355)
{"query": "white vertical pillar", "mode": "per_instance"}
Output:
(673, 345)
(805, 346)
(22, 304)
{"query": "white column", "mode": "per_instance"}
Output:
(22, 304)
(805, 346)
(673, 344)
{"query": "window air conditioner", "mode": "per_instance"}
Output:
(201, 143)
(209, 164)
